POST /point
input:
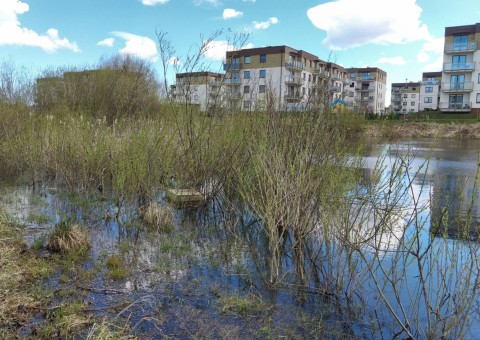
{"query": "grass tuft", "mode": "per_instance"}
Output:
(157, 216)
(67, 237)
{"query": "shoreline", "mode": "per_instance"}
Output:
(421, 129)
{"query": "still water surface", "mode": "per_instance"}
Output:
(179, 280)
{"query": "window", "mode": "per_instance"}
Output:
(405, 95)
(263, 73)
(352, 75)
(460, 42)
(263, 58)
(412, 103)
(247, 104)
(246, 89)
(478, 97)
(413, 95)
(309, 78)
(428, 89)
(261, 88)
(479, 78)
(247, 59)
(404, 103)
(427, 100)
(235, 60)
(303, 75)
(246, 74)
(459, 61)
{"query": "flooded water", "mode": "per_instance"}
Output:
(183, 282)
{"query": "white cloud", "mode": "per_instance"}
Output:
(263, 25)
(351, 23)
(423, 57)
(136, 45)
(210, 2)
(436, 66)
(154, 2)
(107, 42)
(432, 48)
(392, 61)
(216, 49)
(230, 13)
(249, 0)
(13, 33)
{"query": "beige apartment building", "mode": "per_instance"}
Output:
(460, 84)
(281, 78)
(367, 89)
(199, 88)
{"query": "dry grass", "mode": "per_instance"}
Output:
(18, 270)
(66, 237)
(422, 129)
(157, 216)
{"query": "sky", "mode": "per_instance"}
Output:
(402, 37)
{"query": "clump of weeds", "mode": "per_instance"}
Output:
(116, 268)
(157, 216)
(67, 237)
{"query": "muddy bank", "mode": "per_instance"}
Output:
(391, 129)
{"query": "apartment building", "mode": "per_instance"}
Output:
(460, 84)
(430, 91)
(406, 97)
(199, 88)
(367, 89)
(281, 78)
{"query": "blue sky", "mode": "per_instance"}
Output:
(402, 37)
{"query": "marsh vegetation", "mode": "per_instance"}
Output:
(297, 235)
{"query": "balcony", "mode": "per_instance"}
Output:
(366, 99)
(457, 87)
(232, 66)
(233, 95)
(458, 67)
(430, 82)
(367, 89)
(461, 48)
(335, 88)
(215, 83)
(455, 107)
(234, 82)
(292, 96)
(294, 65)
(366, 78)
(290, 80)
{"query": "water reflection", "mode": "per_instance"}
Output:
(219, 250)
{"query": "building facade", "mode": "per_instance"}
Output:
(460, 85)
(430, 91)
(406, 97)
(199, 88)
(281, 78)
(367, 89)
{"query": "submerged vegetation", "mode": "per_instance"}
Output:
(287, 209)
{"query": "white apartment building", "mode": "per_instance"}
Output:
(406, 97)
(430, 91)
(281, 78)
(460, 87)
(367, 89)
(199, 88)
